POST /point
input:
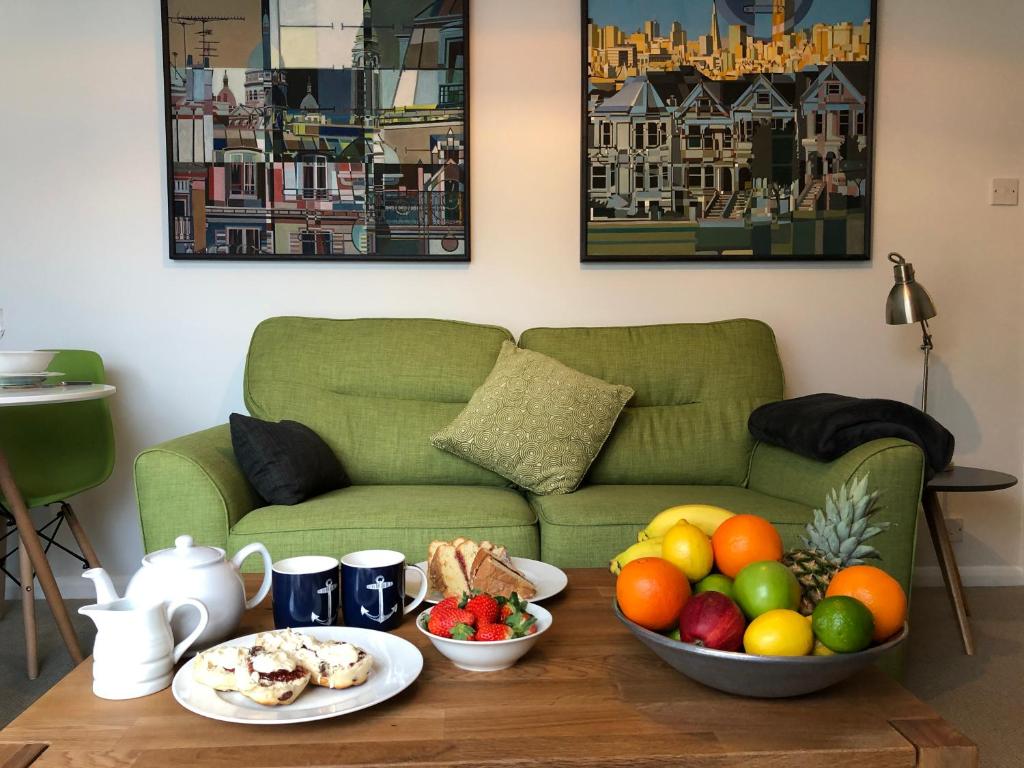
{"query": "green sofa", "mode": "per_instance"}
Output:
(377, 389)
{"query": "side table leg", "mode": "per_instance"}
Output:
(30, 544)
(947, 564)
(28, 612)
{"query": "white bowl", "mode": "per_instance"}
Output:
(25, 362)
(487, 656)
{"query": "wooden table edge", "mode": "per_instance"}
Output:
(20, 754)
(937, 743)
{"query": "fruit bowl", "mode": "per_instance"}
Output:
(487, 656)
(25, 362)
(768, 677)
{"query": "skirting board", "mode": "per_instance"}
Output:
(973, 576)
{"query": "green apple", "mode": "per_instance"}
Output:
(765, 586)
(715, 582)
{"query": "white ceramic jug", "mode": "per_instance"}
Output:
(192, 570)
(135, 654)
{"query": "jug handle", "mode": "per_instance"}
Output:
(268, 568)
(204, 619)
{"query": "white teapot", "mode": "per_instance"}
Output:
(188, 570)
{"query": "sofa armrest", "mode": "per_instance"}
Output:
(192, 485)
(896, 468)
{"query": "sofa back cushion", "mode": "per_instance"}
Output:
(696, 385)
(375, 390)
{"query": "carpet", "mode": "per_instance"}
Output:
(978, 694)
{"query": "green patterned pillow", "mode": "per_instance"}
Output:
(535, 421)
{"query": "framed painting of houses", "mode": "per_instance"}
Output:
(317, 129)
(727, 130)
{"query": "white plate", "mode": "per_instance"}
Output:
(548, 579)
(396, 664)
(26, 379)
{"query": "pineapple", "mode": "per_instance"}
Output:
(835, 539)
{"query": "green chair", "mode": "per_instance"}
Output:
(60, 451)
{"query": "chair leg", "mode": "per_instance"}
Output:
(79, 533)
(4, 550)
(28, 612)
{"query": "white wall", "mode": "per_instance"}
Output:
(83, 228)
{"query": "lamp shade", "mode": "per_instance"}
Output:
(908, 301)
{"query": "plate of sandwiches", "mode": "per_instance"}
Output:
(463, 565)
(296, 675)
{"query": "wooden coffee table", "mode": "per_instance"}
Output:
(589, 694)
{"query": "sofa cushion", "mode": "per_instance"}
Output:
(402, 517)
(286, 462)
(535, 421)
(589, 527)
(696, 385)
(375, 390)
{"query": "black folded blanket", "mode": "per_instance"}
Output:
(825, 426)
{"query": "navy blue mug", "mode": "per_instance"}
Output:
(306, 591)
(373, 589)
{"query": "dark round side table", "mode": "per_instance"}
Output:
(957, 480)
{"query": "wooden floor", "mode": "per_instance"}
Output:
(588, 694)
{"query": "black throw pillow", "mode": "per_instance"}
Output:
(286, 462)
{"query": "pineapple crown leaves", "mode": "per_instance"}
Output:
(842, 528)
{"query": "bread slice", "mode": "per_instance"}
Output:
(445, 573)
(489, 574)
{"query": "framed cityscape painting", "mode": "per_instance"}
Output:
(317, 129)
(727, 130)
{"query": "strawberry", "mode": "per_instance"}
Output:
(463, 632)
(444, 618)
(452, 602)
(510, 605)
(491, 632)
(484, 607)
(521, 622)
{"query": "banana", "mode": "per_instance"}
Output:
(648, 548)
(704, 516)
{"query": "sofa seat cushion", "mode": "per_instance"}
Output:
(402, 517)
(589, 527)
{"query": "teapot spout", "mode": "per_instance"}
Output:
(105, 592)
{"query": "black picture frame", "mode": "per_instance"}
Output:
(463, 256)
(587, 257)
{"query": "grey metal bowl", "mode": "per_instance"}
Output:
(768, 677)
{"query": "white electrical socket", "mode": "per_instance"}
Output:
(1005, 191)
(955, 529)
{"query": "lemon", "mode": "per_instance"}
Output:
(780, 632)
(688, 548)
(820, 649)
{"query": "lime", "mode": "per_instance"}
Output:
(715, 582)
(843, 624)
(765, 586)
(779, 632)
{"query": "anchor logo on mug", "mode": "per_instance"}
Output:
(373, 589)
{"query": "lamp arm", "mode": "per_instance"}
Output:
(926, 347)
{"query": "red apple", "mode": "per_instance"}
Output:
(712, 620)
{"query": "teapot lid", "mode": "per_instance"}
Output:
(185, 554)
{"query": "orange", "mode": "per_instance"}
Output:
(742, 540)
(879, 591)
(652, 592)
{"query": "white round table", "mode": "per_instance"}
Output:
(27, 396)
(54, 394)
